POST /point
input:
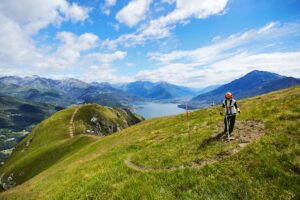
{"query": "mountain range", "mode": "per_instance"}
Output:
(63, 92)
(73, 91)
(158, 91)
(252, 84)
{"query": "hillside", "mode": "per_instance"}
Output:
(252, 84)
(161, 159)
(18, 114)
(17, 118)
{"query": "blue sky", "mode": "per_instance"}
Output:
(194, 43)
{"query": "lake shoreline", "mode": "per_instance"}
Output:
(156, 109)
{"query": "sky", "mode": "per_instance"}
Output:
(195, 43)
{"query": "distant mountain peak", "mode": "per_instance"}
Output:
(253, 83)
(262, 73)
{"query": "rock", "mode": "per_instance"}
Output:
(94, 119)
(118, 114)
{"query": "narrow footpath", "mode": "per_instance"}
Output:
(72, 126)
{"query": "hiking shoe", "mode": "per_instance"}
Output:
(231, 137)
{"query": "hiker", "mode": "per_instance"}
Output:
(230, 107)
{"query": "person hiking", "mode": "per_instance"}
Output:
(230, 108)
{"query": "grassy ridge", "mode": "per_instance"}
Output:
(47, 144)
(109, 119)
(51, 141)
(267, 169)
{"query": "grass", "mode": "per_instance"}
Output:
(93, 168)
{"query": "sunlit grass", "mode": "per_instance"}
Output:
(91, 168)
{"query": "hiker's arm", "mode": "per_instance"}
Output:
(236, 107)
(223, 108)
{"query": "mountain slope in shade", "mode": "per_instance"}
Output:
(36, 89)
(252, 84)
(17, 117)
(19, 114)
(157, 91)
(105, 94)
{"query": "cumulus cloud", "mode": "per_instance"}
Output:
(70, 49)
(84, 42)
(160, 27)
(102, 67)
(73, 53)
(134, 12)
(33, 15)
(20, 21)
(15, 45)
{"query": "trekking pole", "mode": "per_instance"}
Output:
(187, 119)
(227, 127)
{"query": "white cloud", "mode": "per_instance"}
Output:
(110, 2)
(69, 52)
(130, 64)
(160, 27)
(107, 5)
(102, 68)
(104, 73)
(230, 46)
(20, 55)
(21, 20)
(285, 63)
(15, 45)
(108, 57)
(76, 13)
(84, 42)
(228, 58)
(33, 15)
(134, 12)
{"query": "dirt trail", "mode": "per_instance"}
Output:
(244, 134)
(72, 126)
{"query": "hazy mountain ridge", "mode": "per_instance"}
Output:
(157, 91)
(63, 92)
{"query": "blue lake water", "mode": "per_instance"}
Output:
(154, 109)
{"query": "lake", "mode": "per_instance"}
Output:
(155, 109)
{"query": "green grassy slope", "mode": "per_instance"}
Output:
(95, 168)
(51, 141)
